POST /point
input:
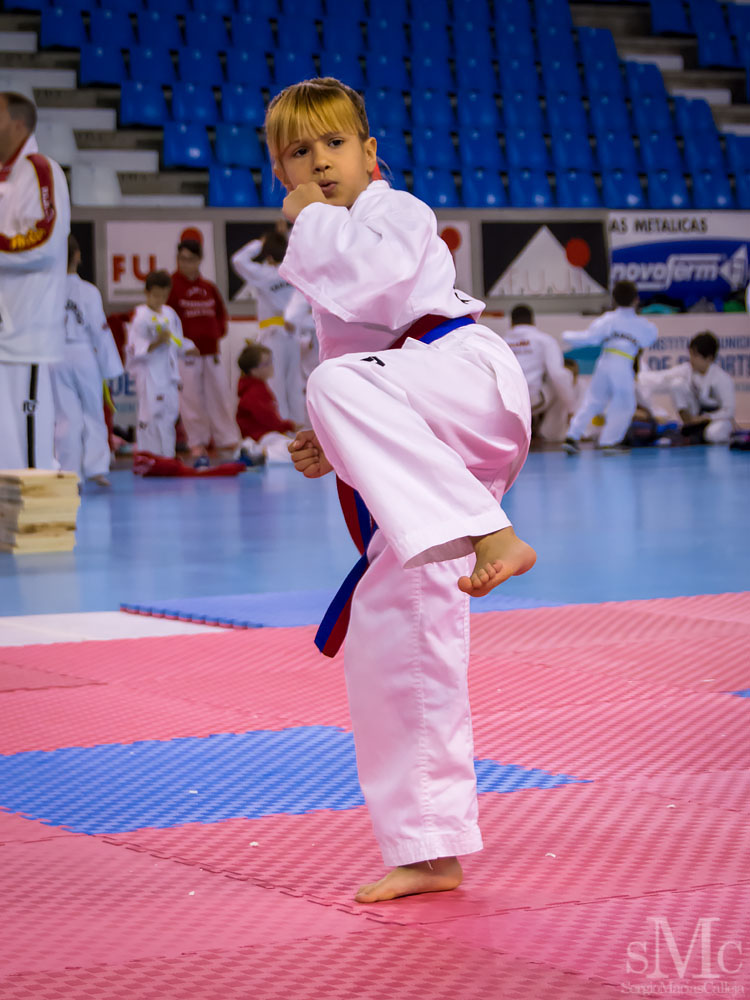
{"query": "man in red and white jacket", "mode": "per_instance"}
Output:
(205, 401)
(34, 227)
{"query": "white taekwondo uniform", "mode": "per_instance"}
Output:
(34, 227)
(710, 395)
(549, 381)
(431, 436)
(622, 334)
(272, 294)
(89, 358)
(157, 377)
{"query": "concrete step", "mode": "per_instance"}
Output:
(17, 41)
(164, 200)
(20, 20)
(667, 53)
(172, 182)
(88, 97)
(57, 79)
(142, 161)
(87, 119)
(112, 139)
(717, 82)
(622, 18)
(39, 60)
(734, 118)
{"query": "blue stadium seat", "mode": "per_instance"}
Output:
(431, 73)
(668, 17)
(224, 8)
(430, 36)
(597, 45)
(437, 9)
(261, 8)
(476, 74)
(478, 109)
(622, 189)
(291, 67)
(238, 146)
(35, 5)
(526, 149)
(552, 11)
(385, 70)
(738, 18)
(742, 182)
(667, 189)
(142, 104)
(272, 192)
(111, 27)
(693, 117)
(516, 12)
(386, 108)
(231, 187)
(242, 104)
(644, 78)
(185, 145)
(343, 34)
(249, 68)
(127, 6)
(565, 112)
(436, 187)
(704, 152)
(529, 188)
(294, 9)
(659, 152)
(711, 189)
(165, 6)
(151, 65)
(482, 187)
(577, 189)
(194, 102)
(571, 151)
(615, 151)
(608, 112)
(157, 30)
(386, 34)
(433, 147)
(604, 78)
(200, 66)
(346, 9)
(651, 114)
(101, 64)
(396, 178)
(523, 111)
(514, 40)
(556, 42)
(392, 148)
(63, 28)
(344, 66)
(298, 34)
(518, 73)
(472, 38)
(432, 108)
(477, 147)
(252, 32)
(715, 47)
(206, 31)
(561, 76)
(738, 153)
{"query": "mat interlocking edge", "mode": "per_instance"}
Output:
(617, 697)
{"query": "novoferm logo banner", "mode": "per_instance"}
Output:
(685, 255)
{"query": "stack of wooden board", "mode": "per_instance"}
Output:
(38, 510)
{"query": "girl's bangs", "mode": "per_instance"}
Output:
(310, 114)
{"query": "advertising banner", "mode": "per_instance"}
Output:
(84, 234)
(135, 248)
(457, 237)
(530, 259)
(685, 256)
(237, 235)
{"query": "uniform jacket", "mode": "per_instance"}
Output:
(257, 412)
(201, 310)
(157, 369)
(86, 324)
(621, 331)
(34, 227)
(271, 291)
(540, 358)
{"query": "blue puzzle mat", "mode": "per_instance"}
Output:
(285, 610)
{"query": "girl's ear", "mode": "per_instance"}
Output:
(279, 174)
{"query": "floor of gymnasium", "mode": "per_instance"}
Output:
(179, 809)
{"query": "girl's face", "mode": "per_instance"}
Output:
(339, 162)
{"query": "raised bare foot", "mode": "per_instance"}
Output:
(500, 555)
(439, 875)
(100, 481)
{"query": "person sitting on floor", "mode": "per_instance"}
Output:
(265, 434)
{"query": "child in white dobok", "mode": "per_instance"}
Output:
(89, 358)
(155, 345)
(431, 436)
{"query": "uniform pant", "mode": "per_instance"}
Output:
(715, 432)
(205, 403)
(81, 437)
(431, 445)
(612, 392)
(27, 417)
(157, 413)
(286, 384)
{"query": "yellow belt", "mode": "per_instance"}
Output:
(271, 321)
(623, 354)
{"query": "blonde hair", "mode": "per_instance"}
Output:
(317, 106)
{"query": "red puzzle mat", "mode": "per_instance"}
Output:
(633, 698)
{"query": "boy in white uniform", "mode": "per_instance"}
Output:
(622, 334)
(431, 436)
(89, 358)
(155, 345)
(34, 227)
(543, 365)
(257, 263)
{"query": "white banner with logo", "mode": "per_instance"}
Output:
(135, 248)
